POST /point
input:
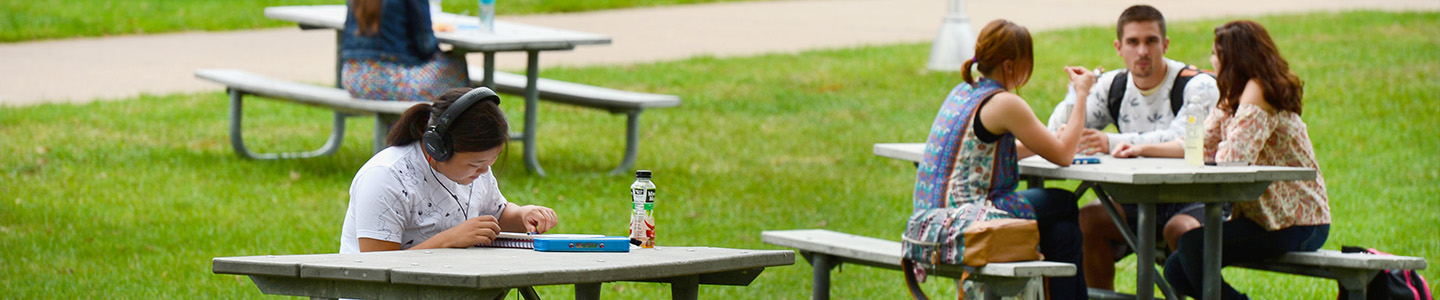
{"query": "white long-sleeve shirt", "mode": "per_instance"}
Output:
(1143, 119)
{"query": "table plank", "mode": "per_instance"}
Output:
(548, 268)
(492, 268)
(507, 36)
(1127, 170)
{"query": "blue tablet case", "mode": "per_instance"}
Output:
(594, 244)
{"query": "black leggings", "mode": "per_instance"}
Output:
(1057, 215)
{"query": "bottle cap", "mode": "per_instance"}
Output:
(642, 174)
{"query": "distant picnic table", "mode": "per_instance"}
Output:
(506, 37)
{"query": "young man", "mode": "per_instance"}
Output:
(1144, 114)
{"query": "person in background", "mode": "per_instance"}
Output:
(971, 153)
(1257, 122)
(1153, 91)
(388, 51)
(432, 187)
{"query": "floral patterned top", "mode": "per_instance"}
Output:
(1270, 139)
(957, 167)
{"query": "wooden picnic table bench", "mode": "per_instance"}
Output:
(615, 101)
(241, 83)
(489, 273)
(827, 249)
(1353, 270)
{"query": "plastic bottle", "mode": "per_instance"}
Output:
(642, 205)
(1194, 133)
(487, 15)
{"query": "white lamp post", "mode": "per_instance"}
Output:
(956, 42)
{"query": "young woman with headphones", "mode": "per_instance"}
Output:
(432, 187)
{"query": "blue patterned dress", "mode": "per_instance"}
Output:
(958, 168)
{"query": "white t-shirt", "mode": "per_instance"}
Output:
(398, 197)
(1144, 119)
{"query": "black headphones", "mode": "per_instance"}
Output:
(436, 141)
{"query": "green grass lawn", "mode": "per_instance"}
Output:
(23, 20)
(132, 198)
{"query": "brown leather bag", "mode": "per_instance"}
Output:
(990, 241)
(1001, 240)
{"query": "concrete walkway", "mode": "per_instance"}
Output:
(88, 69)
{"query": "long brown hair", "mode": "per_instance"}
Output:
(999, 41)
(1246, 52)
(480, 127)
(367, 15)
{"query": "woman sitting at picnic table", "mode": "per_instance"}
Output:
(971, 153)
(389, 52)
(1256, 121)
(432, 187)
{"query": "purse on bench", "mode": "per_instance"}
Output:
(972, 234)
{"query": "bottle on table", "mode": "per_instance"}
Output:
(1194, 133)
(487, 15)
(642, 206)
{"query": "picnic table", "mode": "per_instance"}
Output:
(1147, 182)
(506, 37)
(488, 273)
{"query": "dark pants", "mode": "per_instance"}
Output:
(1243, 241)
(1057, 215)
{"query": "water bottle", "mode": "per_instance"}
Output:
(642, 206)
(1194, 133)
(487, 15)
(1061, 115)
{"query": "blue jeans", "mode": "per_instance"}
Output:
(1058, 217)
(1243, 241)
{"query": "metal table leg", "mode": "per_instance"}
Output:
(528, 293)
(532, 103)
(1214, 224)
(489, 80)
(632, 142)
(822, 264)
(1129, 237)
(1145, 280)
(685, 288)
(587, 291)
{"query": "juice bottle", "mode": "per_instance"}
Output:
(642, 207)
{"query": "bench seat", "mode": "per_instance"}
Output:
(827, 249)
(631, 104)
(1353, 270)
(616, 101)
(240, 83)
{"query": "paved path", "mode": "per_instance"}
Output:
(88, 69)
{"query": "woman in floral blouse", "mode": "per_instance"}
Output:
(1256, 121)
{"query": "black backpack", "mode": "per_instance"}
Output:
(1389, 284)
(1177, 93)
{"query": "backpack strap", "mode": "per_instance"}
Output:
(1177, 92)
(910, 267)
(1117, 95)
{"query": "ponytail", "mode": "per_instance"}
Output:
(965, 71)
(1000, 41)
(367, 15)
(411, 125)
